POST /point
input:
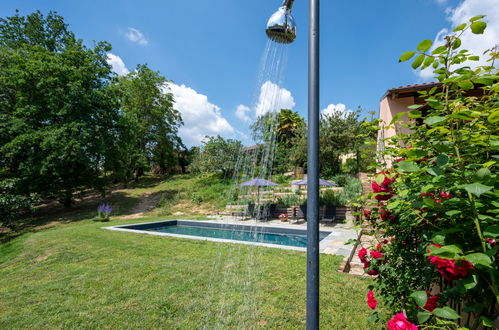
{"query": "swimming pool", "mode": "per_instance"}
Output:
(224, 232)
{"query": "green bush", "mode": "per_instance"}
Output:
(331, 197)
(438, 206)
(341, 179)
(288, 200)
(281, 179)
(13, 204)
(352, 188)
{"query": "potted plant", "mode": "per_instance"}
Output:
(283, 217)
(329, 201)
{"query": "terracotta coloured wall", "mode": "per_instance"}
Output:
(389, 108)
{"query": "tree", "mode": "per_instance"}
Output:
(281, 129)
(56, 115)
(217, 155)
(339, 134)
(288, 124)
(146, 102)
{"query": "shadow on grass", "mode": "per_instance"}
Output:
(147, 181)
(123, 203)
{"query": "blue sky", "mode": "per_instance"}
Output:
(211, 50)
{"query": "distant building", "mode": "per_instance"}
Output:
(255, 147)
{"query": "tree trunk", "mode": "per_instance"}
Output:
(139, 173)
(68, 198)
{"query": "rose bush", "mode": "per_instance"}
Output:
(437, 204)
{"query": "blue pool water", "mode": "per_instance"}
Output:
(236, 235)
(245, 233)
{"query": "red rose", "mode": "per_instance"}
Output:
(451, 269)
(445, 195)
(384, 188)
(387, 215)
(371, 301)
(455, 269)
(431, 302)
(362, 254)
(373, 272)
(399, 322)
(376, 254)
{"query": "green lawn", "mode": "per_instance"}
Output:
(80, 276)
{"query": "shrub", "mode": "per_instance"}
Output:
(288, 200)
(438, 206)
(330, 197)
(12, 203)
(341, 179)
(281, 178)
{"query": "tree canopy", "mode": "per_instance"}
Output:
(217, 155)
(147, 103)
(54, 107)
(66, 120)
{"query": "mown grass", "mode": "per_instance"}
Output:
(81, 276)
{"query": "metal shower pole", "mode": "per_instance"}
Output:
(313, 169)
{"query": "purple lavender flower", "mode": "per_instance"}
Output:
(104, 210)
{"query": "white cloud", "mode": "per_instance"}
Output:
(332, 108)
(476, 44)
(117, 64)
(134, 35)
(273, 98)
(200, 117)
(242, 113)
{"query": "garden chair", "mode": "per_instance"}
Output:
(248, 213)
(303, 209)
(329, 214)
(267, 211)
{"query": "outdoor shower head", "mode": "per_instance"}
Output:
(281, 26)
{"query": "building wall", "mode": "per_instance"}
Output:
(389, 107)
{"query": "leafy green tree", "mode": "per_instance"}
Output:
(264, 127)
(288, 124)
(298, 148)
(339, 134)
(280, 128)
(56, 114)
(217, 155)
(49, 32)
(147, 104)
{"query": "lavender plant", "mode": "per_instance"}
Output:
(103, 212)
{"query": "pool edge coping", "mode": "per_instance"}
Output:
(322, 244)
